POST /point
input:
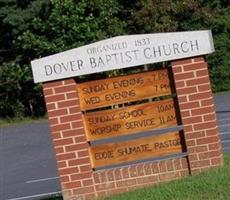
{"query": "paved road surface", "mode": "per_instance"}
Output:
(26, 156)
(27, 164)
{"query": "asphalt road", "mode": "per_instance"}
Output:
(27, 164)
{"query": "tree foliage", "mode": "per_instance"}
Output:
(36, 28)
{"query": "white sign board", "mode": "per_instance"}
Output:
(122, 52)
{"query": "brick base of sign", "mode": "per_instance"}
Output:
(202, 139)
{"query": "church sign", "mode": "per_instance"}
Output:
(122, 52)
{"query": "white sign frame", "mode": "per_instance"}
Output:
(122, 52)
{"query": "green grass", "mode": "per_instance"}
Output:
(19, 121)
(210, 185)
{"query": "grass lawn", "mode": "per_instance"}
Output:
(211, 185)
(20, 121)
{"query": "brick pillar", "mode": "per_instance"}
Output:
(67, 132)
(197, 113)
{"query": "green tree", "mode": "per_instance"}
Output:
(38, 28)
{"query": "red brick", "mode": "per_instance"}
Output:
(80, 139)
(197, 81)
(68, 103)
(77, 124)
(169, 165)
(204, 163)
(187, 90)
(79, 161)
(80, 176)
(185, 113)
(64, 179)
(85, 168)
(155, 167)
(199, 96)
(198, 149)
(140, 169)
(48, 91)
(180, 84)
(63, 141)
(105, 186)
(125, 173)
(211, 132)
(207, 102)
(70, 170)
(195, 164)
(50, 106)
(126, 183)
(60, 127)
(199, 59)
(217, 161)
(103, 177)
(87, 182)
(69, 81)
(207, 140)
(177, 164)
(84, 190)
(72, 95)
(216, 153)
(76, 147)
(190, 142)
(117, 173)
(181, 62)
(57, 113)
(203, 72)
(184, 173)
(205, 125)
(65, 156)
(82, 154)
(192, 120)
(204, 88)
(177, 69)
(162, 166)
(214, 146)
(53, 121)
(148, 179)
(51, 84)
(61, 164)
(69, 133)
(195, 66)
(203, 155)
(55, 98)
(75, 110)
(65, 89)
(193, 157)
(202, 111)
(110, 175)
(210, 117)
(71, 185)
(70, 118)
(183, 76)
(96, 177)
(148, 168)
(56, 135)
(59, 150)
(188, 128)
(169, 176)
(194, 135)
(182, 98)
(189, 105)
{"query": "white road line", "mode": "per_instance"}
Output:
(37, 195)
(43, 179)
